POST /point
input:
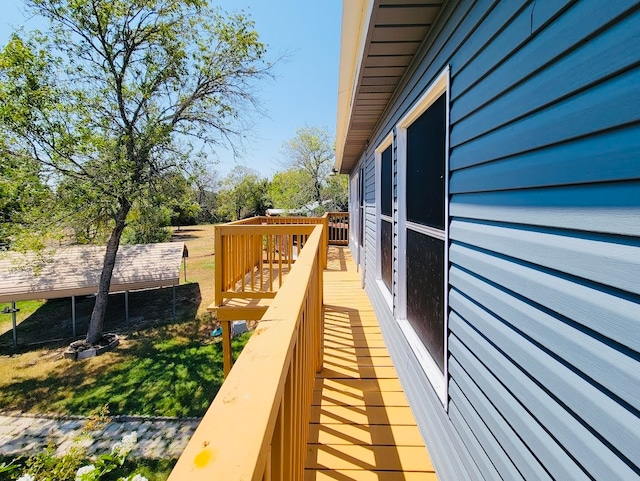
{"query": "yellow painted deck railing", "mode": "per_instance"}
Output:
(257, 426)
(252, 261)
(252, 258)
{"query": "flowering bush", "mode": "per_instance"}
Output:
(85, 472)
(46, 467)
(77, 465)
(108, 462)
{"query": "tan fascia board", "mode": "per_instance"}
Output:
(356, 15)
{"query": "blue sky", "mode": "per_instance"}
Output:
(305, 89)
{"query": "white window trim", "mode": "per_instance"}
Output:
(441, 85)
(388, 296)
(355, 208)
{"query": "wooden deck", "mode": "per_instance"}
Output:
(361, 425)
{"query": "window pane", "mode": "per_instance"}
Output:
(386, 181)
(425, 292)
(426, 166)
(386, 240)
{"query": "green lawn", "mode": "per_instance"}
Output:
(163, 367)
(157, 371)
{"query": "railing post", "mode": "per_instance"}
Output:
(320, 323)
(218, 251)
(227, 354)
(325, 239)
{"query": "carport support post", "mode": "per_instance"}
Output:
(73, 314)
(174, 302)
(14, 320)
(126, 308)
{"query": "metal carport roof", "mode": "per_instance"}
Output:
(75, 271)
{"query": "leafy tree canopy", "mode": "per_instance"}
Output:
(311, 151)
(243, 194)
(291, 189)
(309, 179)
(22, 192)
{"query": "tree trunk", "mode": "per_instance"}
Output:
(102, 296)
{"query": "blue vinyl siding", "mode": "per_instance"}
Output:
(544, 274)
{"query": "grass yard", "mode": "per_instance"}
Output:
(162, 367)
(200, 263)
(27, 308)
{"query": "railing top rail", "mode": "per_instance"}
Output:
(248, 221)
(270, 229)
(247, 403)
(262, 219)
(294, 220)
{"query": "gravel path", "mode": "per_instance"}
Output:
(157, 437)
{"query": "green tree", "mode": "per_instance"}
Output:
(311, 152)
(290, 189)
(110, 97)
(205, 185)
(243, 194)
(336, 193)
(21, 191)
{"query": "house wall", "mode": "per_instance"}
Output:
(544, 273)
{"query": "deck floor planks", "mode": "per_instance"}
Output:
(361, 425)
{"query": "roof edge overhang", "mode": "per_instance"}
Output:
(380, 43)
(356, 16)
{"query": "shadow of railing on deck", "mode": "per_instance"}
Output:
(350, 394)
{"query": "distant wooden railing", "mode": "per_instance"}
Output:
(338, 228)
(305, 221)
(257, 426)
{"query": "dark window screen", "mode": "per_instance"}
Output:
(386, 240)
(386, 182)
(426, 166)
(425, 292)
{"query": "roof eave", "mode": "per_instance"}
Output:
(380, 41)
(356, 15)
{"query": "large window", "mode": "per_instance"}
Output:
(423, 230)
(384, 181)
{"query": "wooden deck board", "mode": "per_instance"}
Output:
(368, 457)
(391, 435)
(371, 398)
(344, 358)
(362, 427)
(360, 475)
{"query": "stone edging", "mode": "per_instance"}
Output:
(115, 418)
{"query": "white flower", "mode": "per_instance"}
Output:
(139, 477)
(124, 447)
(26, 477)
(83, 471)
(130, 439)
